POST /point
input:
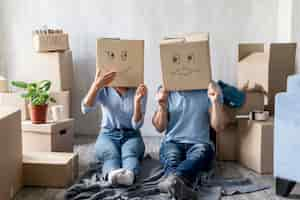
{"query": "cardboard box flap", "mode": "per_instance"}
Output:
(186, 38)
(256, 59)
(48, 158)
(49, 127)
(282, 55)
(246, 49)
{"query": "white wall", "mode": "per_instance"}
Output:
(228, 22)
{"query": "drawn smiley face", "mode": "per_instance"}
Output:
(184, 64)
(119, 59)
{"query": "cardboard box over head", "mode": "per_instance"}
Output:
(126, 57)
(185, 62)
(266, 67)
(10, 152)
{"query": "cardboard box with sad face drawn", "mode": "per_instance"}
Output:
(185, 61)
(126, 57)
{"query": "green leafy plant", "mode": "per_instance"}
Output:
(37, 93)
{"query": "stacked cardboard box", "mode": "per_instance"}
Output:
(11, 152)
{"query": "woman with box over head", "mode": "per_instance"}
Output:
(119, 146)
(186, 150)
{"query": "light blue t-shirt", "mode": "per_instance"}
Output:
(189, 118)
(117, 110)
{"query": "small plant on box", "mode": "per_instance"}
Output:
(37, 94)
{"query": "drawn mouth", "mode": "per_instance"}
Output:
(184, 71)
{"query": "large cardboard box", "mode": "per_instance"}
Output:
(14, 99)
(185, 61)
(50, 169)
(255, 147)
(49, 137)
(253, 101)
(50, 42)
(126, 57)
(226, 144)
(55, 66)
(266, 67)
(10, 152)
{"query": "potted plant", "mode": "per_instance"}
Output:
(37, 94)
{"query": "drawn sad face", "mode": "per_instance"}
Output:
(118, 59)
(184, 64)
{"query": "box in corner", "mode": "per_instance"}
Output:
(10, 152)
(126, 57)
(50, 42)
(185, 61)
(50, 169)
(255, 147)
(49, 137)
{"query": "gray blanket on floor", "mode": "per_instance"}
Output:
(92, 187)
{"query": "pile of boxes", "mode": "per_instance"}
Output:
(43, 147)
(262, 71)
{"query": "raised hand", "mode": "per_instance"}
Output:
(162, 98)
(141, 91)
(102, 80)
(213, 92)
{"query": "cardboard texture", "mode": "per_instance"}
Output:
(50, 42)
(49, 137)
(49, 169)
(255, 149)
(126, 57)
(3, 84)
(185, 62)
(226, 143)
(55, 66)
(10, 152)
(15, 100)
(254, 101)
(266, 67)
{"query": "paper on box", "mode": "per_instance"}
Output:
(267, 67)
(14, 99)
(226, 143)
(10, 152)
(49, 137)
(255, 149)
(185, 62)
(126, 57)
(50, 169)
(50, 42)
(55, 66)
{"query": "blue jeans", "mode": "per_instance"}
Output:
(186, 160)
(120, 149)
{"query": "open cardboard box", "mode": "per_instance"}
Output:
(10, 152)
(126, 57)
(266, 67)
(185, 61)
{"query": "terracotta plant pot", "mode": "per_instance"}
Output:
(38, 114)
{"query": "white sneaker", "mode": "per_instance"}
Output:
(113, 176)
(125, 177)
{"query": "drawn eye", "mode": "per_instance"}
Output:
(190, 58)
(176, 59)
(110, 54)
(124, 55)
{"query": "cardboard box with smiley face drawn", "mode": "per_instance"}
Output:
(126, 57)
(185, 61)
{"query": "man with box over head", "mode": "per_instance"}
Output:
(119, 88)
(188, 105)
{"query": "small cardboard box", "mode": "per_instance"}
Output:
(3, 84)
(14, 99)
(266, 67)
(255, 149)
(226, 143)
(126, 57)
(49, 137)
(50, 169)
(253, 101)
(10, 152)
(50, 42)
(185, 62)
(55, 66)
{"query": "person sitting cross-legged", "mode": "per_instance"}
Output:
(186, 150)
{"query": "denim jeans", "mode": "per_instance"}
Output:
(186, 160)
(120, 149)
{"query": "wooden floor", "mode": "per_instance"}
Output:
(224, 169)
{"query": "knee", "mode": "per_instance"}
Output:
(106, 153)
(132, 152)
(170, 157)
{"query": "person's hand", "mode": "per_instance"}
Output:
(162, 98)
(213, 92)
(141, 91)
(102, 80)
